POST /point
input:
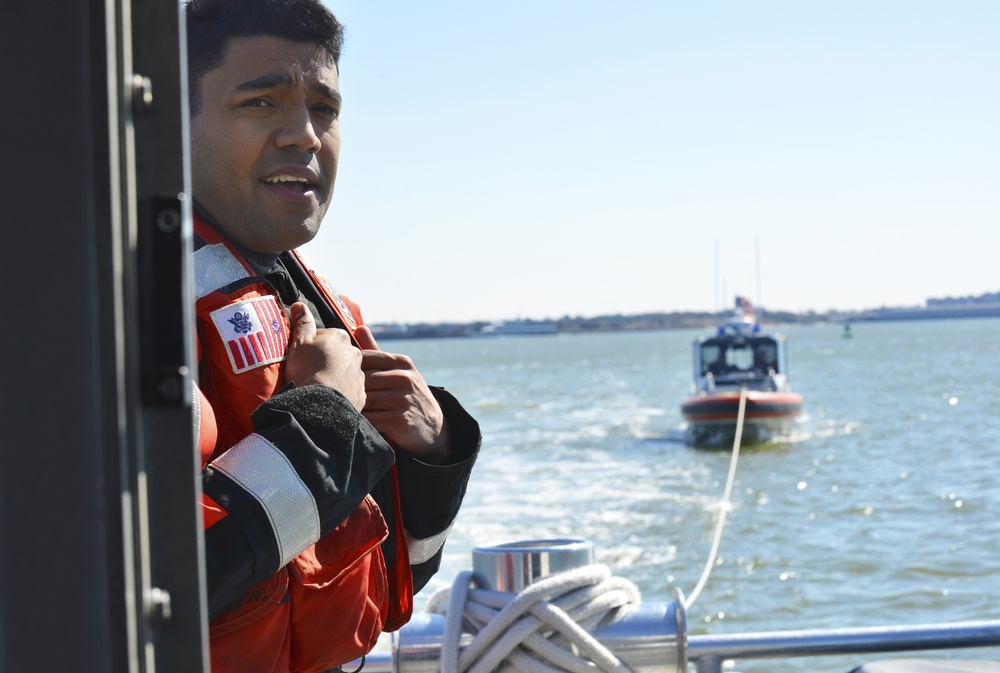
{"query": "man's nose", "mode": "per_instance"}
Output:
(297, 130)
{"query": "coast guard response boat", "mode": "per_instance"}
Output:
(739, 357)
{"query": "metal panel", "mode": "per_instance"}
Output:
(165, 320)
(80, 446)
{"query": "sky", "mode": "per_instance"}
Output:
(573, 157)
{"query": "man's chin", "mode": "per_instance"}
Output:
(296, 234)
(273, 235)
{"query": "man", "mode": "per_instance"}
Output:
(332, 471)
(719, 364)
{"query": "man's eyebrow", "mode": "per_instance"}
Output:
(276, 79)
(332, 94)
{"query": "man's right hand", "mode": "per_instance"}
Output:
(324, 356)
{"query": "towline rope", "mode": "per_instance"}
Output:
(689, 601)
(543, 629)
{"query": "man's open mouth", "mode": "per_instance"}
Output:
(289, 182)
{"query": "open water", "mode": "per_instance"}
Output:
(881, 508)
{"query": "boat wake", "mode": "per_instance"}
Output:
(806, 428)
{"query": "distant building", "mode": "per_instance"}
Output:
(982, 306)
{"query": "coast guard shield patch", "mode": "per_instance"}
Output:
(254, 332)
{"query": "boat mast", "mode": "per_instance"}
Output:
(715, 308)
(756, 257)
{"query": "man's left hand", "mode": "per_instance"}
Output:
(399, 403)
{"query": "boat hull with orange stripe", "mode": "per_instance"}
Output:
(712, 417)
(762, 407)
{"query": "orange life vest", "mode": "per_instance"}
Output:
(329, 605)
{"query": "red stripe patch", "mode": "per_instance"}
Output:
(254, 332)
(278, 331)
(262, 338)
(237, 356)
(254, 340)
(266, 333)
(247, 351)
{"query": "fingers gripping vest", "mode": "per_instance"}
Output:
(400, 578)
(330, 603)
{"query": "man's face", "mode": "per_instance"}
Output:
(265, 142)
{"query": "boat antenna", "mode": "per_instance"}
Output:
(756, 257)
(715, 308)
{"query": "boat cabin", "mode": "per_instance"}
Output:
(757, 362)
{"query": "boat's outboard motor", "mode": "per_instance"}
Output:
(646, 637)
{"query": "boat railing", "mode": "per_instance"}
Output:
(660, 646)
(524, 581)
(708, 652)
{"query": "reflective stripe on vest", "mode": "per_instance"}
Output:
(265, 472)
(215, 267)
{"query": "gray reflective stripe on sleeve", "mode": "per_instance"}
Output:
(422, 551)
(264, 471)
(215, 267)
(196, 412)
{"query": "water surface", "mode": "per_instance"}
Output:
(881, 508)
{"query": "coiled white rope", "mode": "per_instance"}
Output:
(542, 629)
(689, 601)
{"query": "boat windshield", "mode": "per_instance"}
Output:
(725, 357)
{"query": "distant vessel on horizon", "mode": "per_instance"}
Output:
(519, 328)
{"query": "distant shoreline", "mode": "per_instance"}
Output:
(689, 319)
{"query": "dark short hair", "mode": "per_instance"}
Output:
(211, 24)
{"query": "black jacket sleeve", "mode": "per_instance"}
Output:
(431, 495)
(312, 459)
